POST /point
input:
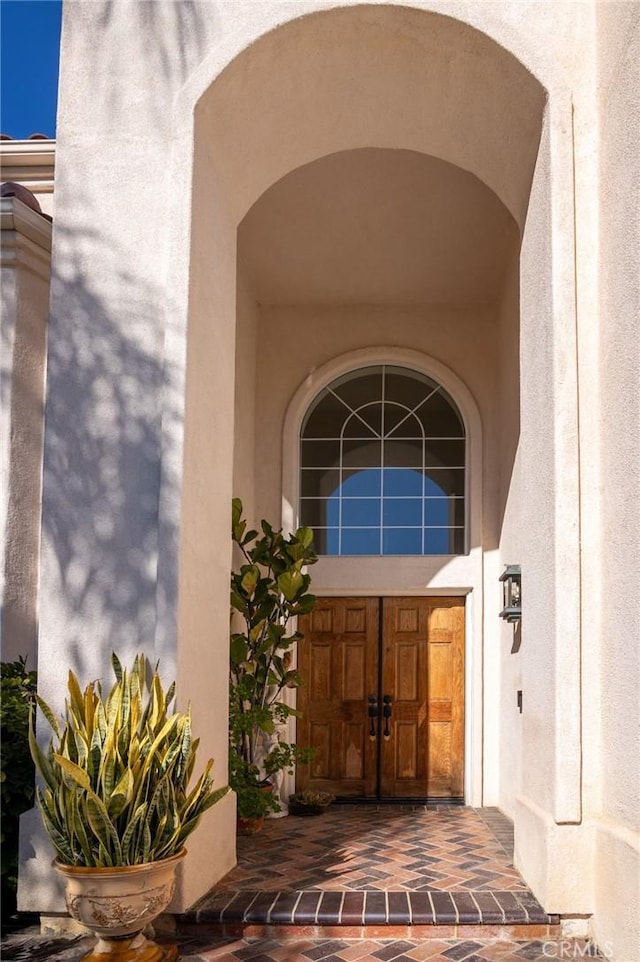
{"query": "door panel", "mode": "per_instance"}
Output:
(404, 679)
(446, 697)
(339, 661)
(415, 669)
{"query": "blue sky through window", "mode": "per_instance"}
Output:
(382, 465)
(401, 508)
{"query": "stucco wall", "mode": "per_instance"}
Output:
(25, 253)
(617, 918)
(537, 484)
(505, 642)
(552, 847)
(247, 400)
(115, 391)
(294, 341)
(203, 109)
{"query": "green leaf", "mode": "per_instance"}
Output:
(59, 838)
(103, 829)
(236, 518)
(108, 773)
(41, 762)
(305, 604)
(89, 711)
(122, 794)
(82, 749)
(117, 667)
(75, 696)
(239, 649)
(250, 576)
(129, 852)
(146, 842)
(125, 708)
(83, 839)
(100, 722)
(48, 714)
(74, 771)
(305, 537)
(290, 584)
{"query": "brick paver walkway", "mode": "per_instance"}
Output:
(359, 847)
(407, 859)
(30, 947)
(375, 865)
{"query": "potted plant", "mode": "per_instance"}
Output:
(268, 590)
(117, 804)
(254, 796)
(310, 803)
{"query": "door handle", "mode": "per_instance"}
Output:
(373, 714)
(386, 711)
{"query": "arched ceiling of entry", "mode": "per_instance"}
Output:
(376, 226)
(369, 76)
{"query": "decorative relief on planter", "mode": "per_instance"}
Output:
(134, 908)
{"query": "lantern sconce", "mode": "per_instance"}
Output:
(511, 594)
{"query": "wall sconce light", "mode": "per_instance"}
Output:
(511, 593)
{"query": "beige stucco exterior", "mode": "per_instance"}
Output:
(25, 268)
(290, 190)
(30, 163)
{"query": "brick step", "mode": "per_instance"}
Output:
(377, 909)
(418, 933)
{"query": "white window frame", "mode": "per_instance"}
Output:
(322, 376)
(431, 387)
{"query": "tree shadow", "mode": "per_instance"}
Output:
(172, 37)
(105, 419)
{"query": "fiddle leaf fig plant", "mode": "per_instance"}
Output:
(117, 772)
(269, 589)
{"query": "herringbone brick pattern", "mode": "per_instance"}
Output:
(390, 950)
(31, 947)
(362, 848)
(381, 871)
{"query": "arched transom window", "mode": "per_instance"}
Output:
(382, 466)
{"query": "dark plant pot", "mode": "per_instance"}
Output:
(254, 823)
(249, 826)
(297, 808)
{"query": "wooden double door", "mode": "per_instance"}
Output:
(383, 699)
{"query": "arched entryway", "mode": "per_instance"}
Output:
(352, 191)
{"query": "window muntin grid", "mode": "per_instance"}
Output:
(382, 466)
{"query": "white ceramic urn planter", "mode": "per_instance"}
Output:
(117, 903)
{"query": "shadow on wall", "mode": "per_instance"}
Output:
(105, 407)
(102, 477)
(175, 37)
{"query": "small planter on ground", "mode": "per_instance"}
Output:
(310, 803)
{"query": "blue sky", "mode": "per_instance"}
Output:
(29, 53)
